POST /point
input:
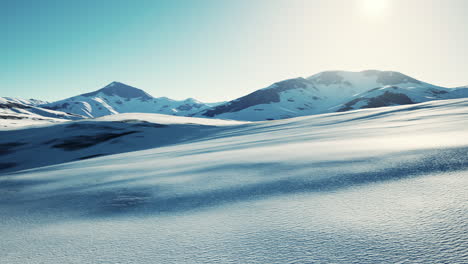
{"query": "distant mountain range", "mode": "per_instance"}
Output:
(325, 92)
(121, 98)
(331, 91)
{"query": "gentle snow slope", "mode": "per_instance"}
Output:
(88, 138)
(383, 185)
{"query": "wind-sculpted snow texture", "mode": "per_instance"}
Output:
(385, 185)
(47, 145)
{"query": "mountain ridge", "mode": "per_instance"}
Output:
(323, 92)
(118, 97)
(15, 112)
(122, 90)
(334, 91)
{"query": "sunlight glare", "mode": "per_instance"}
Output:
(374, 8)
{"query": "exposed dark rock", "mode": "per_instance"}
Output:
(263, 96)
(56, 107)
(12, 117)
(9, 105)
(386, 99)
(184, 107)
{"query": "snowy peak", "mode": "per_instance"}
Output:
(390, 77)
(118, 98)
(339, 86)
(269, 95)
(365, 80)
(379, 78)
(122, 90)
(331, 91)
(192, 101)
(328, 78)
(324, 92)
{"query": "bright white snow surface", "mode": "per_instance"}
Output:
(19, 113)
(384, 185)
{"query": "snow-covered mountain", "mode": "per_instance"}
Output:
(325, 92)
(396, 95)
(331, 91)
(33, 102)
(19, 112)
(121, 98)
(280, 100)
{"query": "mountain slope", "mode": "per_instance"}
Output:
(325, 92)
(331, 91)
(396, 95)
(15, 113)
(384, 185)
(121, 98)
(281, 100)
(340, 85)
(32, 102)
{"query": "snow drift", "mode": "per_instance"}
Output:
(385, 185)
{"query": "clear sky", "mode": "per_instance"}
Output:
(216, 50)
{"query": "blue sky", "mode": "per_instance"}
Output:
(219, 50)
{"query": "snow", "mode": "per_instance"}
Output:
(331, 91)
(33, 102)
(15, 113)
(111, 100)
(385, 185)
(107, 135)
(169, 120)
(317, 94)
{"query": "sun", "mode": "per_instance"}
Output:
(374, 8)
